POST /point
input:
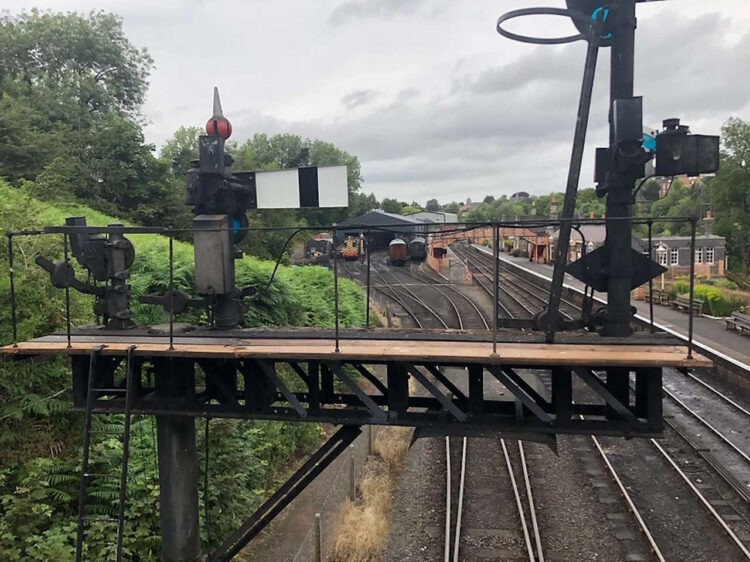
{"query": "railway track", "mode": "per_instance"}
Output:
(486, 528)
(698, 415)
(428, 300)
(707, 463)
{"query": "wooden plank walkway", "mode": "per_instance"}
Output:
(380, 351)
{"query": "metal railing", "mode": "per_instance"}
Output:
(436, 231)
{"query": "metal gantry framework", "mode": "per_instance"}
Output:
(334, 376)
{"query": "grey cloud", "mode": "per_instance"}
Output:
(509, 127)
(359, 98)
(384, 9)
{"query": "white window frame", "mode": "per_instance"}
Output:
(712, 253)
(674, 256)
(699, 255)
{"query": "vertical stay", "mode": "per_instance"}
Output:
(171, 291)
(651, 279)
(693, 225)
(574, 174)
(367, 249)
(125, 450)
(12, 290)
(67, 292)
(335, 287)
(495, 285)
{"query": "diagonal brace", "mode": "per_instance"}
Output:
(446, 382)
(527, 388)
(519, 393)
(459, 414)
(316, 464)
(598, 386)
(336, 369)
(300, 372)
(288, 394)
(372, 378)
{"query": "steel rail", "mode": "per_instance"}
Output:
(514, 297)
(460, 507)
(532, 507)
(436, 287)
(523, 289)
(720, 520)
(410, 294)
(707, 424)
(517, 494)
(504, 265)
(384, 290)
(718, 393)
(629, 501)
(464, 259)
(447, 551)
(448, 285)
(394, 296)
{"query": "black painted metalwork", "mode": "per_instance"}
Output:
(495, 285)
(11, 274)
(368, 242)
(125, 396)
(67, 292)
(314, 465)
(693, 227)
(651, 279)
(442, 407)
(574, 174)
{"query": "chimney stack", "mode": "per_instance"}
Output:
(533, 208)
(708, 224)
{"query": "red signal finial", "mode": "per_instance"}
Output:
(218, 124)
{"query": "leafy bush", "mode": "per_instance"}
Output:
(717, 303)
(40, 438)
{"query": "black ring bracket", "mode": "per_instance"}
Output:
(576, 16)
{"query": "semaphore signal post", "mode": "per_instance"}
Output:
(120, 367)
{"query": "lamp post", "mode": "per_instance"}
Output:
(661, 251)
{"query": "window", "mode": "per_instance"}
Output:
(674, 257)
(709, 255)
(699, 255)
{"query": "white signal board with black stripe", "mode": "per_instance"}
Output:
(302, 188)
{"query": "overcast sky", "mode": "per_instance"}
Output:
(433, 101)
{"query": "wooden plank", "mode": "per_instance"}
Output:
(364, 351)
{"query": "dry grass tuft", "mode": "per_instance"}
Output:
(362, 526)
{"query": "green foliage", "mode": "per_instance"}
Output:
(717, 302)
(392, 206)
(71, 89)
(729, 194)
(40, 437)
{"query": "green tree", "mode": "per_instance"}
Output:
(391, 206)
(178, 151)
(452, 207)
(432, 205)
(729, 193)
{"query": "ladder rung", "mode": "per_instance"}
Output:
(112, 433)
(109, 390)
(99, 475)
